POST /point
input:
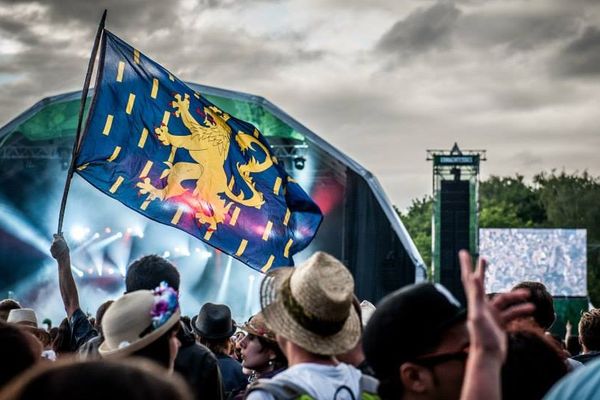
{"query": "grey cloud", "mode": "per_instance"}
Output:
(581, 57)
(517, 30)
(423, 30)
(130, 15)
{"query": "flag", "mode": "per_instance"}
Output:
(165, 151)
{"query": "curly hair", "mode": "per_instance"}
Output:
(589, 329)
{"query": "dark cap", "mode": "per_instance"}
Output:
(408, 323)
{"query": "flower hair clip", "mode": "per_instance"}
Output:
(165, 304)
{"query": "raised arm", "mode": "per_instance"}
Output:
(66, 283)
(486, 321)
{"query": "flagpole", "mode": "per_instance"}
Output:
(84, 93)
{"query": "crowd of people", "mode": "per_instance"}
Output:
(312, 339)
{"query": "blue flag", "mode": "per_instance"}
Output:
(166, 152)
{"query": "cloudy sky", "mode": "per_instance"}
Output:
(383, 80)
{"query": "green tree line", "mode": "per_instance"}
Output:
(551, 200)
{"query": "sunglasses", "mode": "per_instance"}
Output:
(434, 359)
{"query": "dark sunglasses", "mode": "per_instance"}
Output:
(434, 359)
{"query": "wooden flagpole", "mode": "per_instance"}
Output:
(84, 93)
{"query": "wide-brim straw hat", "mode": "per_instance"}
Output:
(128, 325)
(311, 305)
(23, 316)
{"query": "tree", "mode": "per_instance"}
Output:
(553, 200)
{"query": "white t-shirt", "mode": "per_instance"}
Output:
(318, 381)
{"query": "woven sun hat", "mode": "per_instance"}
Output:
(257, 326)
(137, 319)
(214, 322)
(22, 316)
(311, 305)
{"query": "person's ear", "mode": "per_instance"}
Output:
(415, 378)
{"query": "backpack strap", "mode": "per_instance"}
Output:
(280, 389)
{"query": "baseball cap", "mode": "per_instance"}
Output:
(408, 323)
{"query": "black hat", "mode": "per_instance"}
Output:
(213, 322)
(408, 323)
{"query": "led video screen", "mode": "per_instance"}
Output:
(555, 257)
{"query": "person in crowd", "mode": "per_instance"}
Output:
(89, 349)
(260, 353)
(143, 323)
(61, 345)
(19, 349)
(5, 306)
(356, 356)
(533, 365)
(310, 309)
(589, 336)
(237, 349)
(97, 380)
(26, 318)
(194, 362)
(422, 344)
(581, 384)
(214, 328)
(543, 317)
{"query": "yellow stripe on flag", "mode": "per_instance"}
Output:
(242, 247)
(267, 231)
(234, 217)
(277, 185)
(171, 78)
(268, 264)
(208, 235)
(115, 154)
(196, 95)
(130, 103)
(286, 251)
(120, 71)
(166, 117)
(107, 125)
(256, 133)
(143, 138)
(116, 185)
(231, 182)
(286, 219)
(177, 215)
(154, 88)
(145, 204)
(82, 167)
(146, 169)
(136, 56)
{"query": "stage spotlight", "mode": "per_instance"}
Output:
(167, 254)
(299, 163)
(78, 233)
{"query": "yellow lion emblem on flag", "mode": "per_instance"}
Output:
(208, 145)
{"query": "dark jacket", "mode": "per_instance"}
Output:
(231, 372)
(199, 367)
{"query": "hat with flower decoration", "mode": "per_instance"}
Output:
(137, 319)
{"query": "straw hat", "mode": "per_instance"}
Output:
(23, 316)
(257, 326)
(137, 319)
(311, 305)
